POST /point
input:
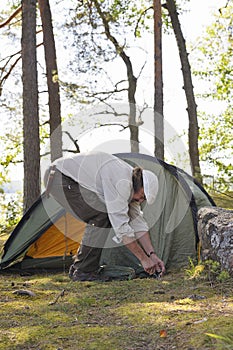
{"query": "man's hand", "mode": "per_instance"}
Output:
(148, 265)
(159, 265)
(156, 265)
(153, 264)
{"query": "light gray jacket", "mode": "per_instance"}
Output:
(111, 179)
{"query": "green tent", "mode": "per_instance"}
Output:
(47, 236)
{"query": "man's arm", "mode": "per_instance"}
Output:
(150, 264)
(145, 242)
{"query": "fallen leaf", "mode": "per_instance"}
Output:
(163, 333)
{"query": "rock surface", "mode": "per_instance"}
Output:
(215, 230)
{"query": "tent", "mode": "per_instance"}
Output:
(47, 236)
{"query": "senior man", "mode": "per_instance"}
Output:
(106, 193)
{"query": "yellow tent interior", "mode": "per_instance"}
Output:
(64, 238)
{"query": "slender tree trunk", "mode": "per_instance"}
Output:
(133, 127)
(30, 105)
(158, 82)
(188, 88)
(132, 81)
(52, 80)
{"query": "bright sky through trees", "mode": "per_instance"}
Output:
(193, 23)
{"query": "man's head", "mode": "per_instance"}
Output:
(145, 185)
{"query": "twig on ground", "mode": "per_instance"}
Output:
(59, 295)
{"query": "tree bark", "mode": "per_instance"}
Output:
(52, 80)
(158, 82)
(30, 105)
(132, 81)
(193, 132)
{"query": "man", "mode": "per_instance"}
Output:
(106, 193)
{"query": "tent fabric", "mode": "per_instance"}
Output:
(172, 217)
(47, 236)
(34, 223)
(64, 238)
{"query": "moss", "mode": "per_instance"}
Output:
(174, 312)
(116, 315)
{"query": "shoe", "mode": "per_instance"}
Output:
(77, 275)
(71, 271)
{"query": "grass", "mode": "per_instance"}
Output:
(175, 312)
(223, 200)
(170, 313)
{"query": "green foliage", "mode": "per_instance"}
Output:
(11, 135)
(94, 52)
(212, 268)
(226, 342)
(209, 269)
(214, 65)
(223, 200)
(126, 20)
(3, 178)
(194, 270)
(11, 145)
(214, 271)
(216, 148)
(223, 276)
(10, 212)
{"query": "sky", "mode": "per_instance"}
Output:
(193, 23)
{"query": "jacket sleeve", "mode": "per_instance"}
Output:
(137, 221)
(126, 218)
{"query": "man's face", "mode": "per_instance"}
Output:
(139, 196)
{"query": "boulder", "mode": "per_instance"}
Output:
(215, 230)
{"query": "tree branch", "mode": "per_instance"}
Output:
(227, 3)
(74, 141)
(113, 124)
(14, 14)
(4, 78)
(139, 19)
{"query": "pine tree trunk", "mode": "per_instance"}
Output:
(132, 81)
(133, 127)
(158, 82)
(188, 88)
(30, 105)
(52, 81)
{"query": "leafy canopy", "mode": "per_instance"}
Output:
(214, 65)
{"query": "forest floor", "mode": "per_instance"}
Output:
(174, 312)
(187, 309)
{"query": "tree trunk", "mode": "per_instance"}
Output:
(30, 105)
(158, 82)
(132, 81)
(188, 88)
(52, 81)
